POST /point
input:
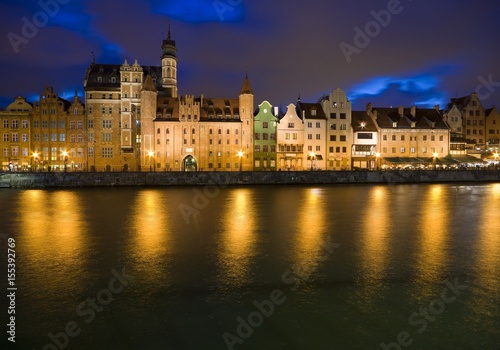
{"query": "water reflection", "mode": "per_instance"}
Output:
(431, 253)
(150, 234)
(374, 241)
(310, 232)
(487, 269)
(239, 226)
(52, 233)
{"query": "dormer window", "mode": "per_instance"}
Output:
(394, 124)
(313, 112)
(113, 79)
(99, 79)
(413, 124)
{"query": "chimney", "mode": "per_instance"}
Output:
(369, 107)
(414, 110)
(436, 107)
(401, 111)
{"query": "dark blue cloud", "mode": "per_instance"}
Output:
(200, 11)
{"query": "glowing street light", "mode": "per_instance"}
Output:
(496, 155)
(377, 157)
(65, 155)
(434, 158)
(150, 154)
(240, 155)
(312, 155)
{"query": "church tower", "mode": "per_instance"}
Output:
(169, 66)
(246, 115)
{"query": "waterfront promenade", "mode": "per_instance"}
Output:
(111, 179)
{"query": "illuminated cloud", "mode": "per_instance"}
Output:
(423, 89)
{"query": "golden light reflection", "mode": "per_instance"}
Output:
(150, 234)
(53, 234)
(488, 263)
(376, 227)
(311, 233)
(431, 253)
(238, 237)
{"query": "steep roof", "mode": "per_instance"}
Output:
(148, 84)
(361, 121)
(246, 88)
(305, 109)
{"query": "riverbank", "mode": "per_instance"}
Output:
(111, 179)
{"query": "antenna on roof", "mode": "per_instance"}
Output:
(93, 57)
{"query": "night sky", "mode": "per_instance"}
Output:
(427, 52)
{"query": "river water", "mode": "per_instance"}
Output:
(327, 267)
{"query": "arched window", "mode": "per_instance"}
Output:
(158, 131)
(185, 131)
(210, 131)
(168, 131)
(193, 131)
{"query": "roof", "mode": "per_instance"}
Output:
(148, 84)
(100, 76)
(361, 121)
(424, 118)
(246, 88)
(218, 109)
(306, 109)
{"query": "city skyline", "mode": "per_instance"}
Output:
(448, 54)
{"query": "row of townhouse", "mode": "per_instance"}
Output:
(188, 133)
(133, 119)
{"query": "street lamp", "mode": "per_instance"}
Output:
(35, 156)
(311, 155)
(240, 154)
(377, 157)
(434, 158)
(65, 155)
(150, 154)
(496, 155)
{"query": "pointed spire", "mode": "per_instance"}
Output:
(246, 88)
(168, 35)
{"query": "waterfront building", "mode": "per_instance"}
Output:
(15, 136)
(137, 120)
(365, 150)
(265, 121)
(473, 120)
(315, 121)
(405, 134)
(290, 135)
(59, 134)
(337, 110)
(493, 129)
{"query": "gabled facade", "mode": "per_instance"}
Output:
(58, 128)
(337, 109)
(473, 120)
(290, 135)
(15, 136)
(265, 126)
(314, 135)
